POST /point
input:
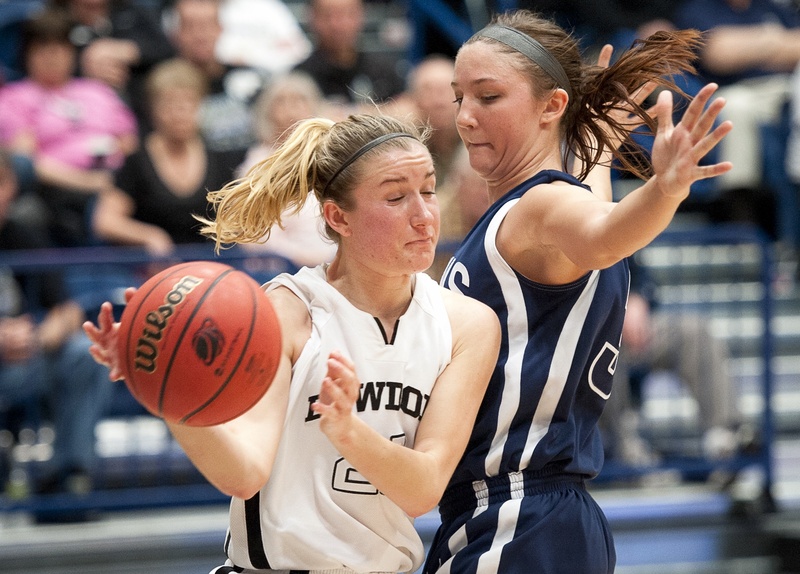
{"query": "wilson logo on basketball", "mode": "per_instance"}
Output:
(156, 321)
(208, 342)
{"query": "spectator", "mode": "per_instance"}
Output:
(225, 111)
(165, 182)
(431, 99)
(74, 130)
(118, 41)
(44, 354)
(656, 340)
(751, 48)
(284, 102)
(463, 199)
(346, 74)
(262, 34)
(597, 22)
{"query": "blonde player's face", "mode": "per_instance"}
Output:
(394, 224)
(497, 114)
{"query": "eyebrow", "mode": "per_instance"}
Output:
(403, 178)
(478, 81)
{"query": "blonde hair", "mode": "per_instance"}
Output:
(309, 161)
(175, 73)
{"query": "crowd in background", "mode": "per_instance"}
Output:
(117, 116)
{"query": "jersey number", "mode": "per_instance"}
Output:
(348, 479)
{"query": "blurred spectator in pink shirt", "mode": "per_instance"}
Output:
(75, 130)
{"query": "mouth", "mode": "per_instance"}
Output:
(422, 241)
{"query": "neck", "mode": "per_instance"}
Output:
(523, 172)
(173, 146)
(385, 297)
(343, 57)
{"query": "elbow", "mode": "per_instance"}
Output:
(244, 486)
(421, 508)
(423, 502)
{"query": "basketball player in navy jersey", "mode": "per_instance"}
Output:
(549, 257)
(382, 369)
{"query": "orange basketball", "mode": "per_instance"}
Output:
(200, 343)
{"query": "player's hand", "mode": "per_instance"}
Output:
(104, 337)
(624, 116)
(337, 397)
(678, 149)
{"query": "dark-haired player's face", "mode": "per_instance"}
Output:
(498, 116)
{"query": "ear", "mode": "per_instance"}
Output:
(556, 106)
(336, 218)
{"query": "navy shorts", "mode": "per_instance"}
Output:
(522, 524)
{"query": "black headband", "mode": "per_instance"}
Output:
(361, 151)
(529, 47)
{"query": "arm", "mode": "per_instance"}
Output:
(237, 456)
(557, 232)
(59, 324)
(113, 221)
(110, 60)
(58, 174)
(416, 478)
(736, 49)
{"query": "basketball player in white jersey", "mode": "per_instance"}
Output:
(382, 370)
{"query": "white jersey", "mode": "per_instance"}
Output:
(317, 512)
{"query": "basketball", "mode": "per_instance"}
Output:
(199, 343)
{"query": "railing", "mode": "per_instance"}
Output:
(139, 465)
(727, 273)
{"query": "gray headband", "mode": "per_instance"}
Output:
(529, 47)
(361, 151)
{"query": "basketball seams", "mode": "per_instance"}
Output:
(176, 347)
(127, 356)
(235, 369)
(171, 364)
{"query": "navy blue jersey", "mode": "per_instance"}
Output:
(557, 357)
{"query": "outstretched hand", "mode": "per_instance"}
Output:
(337, 397)
(104, 336)
(678, 149)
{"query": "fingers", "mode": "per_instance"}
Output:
(643, 92)
(697, 108)
(129, 293)
(663, 110)
(340, 387)
(604, 59)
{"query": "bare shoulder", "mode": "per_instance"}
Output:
(294, 318)
(467, 312)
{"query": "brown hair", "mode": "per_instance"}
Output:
(47, 25)
(248, 207)
(597, 92)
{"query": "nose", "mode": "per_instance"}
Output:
(421, 211)
(464, 116)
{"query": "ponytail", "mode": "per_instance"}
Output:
(247, 208)
(657, 59)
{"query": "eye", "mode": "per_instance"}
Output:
(489, 98)
(458, 101)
